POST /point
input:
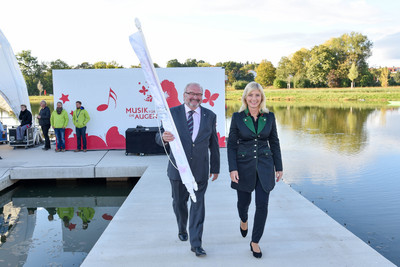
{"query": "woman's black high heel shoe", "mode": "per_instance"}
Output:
(255, 254)
(244, 232)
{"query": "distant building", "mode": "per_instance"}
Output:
(394, 69)
(253, 72)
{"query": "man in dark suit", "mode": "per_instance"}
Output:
(196, 127)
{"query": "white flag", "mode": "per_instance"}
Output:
(138, 44)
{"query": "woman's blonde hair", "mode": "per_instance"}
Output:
(247, 90)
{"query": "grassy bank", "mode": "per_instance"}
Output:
(372, 95)
(34, 99)
(368, 95)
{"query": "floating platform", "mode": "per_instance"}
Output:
(144, 230)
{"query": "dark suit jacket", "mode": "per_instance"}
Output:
(252, 153)
(201, 162)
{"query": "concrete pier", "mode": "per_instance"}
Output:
(33, 163)
(144, 231)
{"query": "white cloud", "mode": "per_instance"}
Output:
(213, 30)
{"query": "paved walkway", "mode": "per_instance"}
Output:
(144, 231)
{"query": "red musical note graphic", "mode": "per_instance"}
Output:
(111, 94)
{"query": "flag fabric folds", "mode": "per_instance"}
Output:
(138, 44)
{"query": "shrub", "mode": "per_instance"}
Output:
(345, 83)
(302, 83)
(367, 80)
(280, 83)
(392, 82)
(239, 84)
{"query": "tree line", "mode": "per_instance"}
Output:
(339, 62)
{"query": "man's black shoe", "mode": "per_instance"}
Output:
(200, 252)
(45, 148)
(183, 236)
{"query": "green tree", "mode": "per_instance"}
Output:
(266, 73)
(190, 62)
(203, 64)
(47, 75)
(113, 65)
(351, 48)
(353, 74)
(322, 61)
(367, 80)
(139, 66)
(299, 61)
(385, 77)
(58, 64)
(100, 65)
(284, 69)
(32, 71)
(173, 63)
(84, 65)
(233, 70)
(333, 79)
(396, 78)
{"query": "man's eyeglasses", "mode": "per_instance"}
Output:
(194, 94)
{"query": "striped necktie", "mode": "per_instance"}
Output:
(190, 122)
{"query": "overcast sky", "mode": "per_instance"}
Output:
(213, 30)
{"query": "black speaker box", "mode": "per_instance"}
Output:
(141, 140)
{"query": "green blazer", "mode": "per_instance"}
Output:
(254, 154)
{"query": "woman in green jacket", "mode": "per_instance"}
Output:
(59, 120)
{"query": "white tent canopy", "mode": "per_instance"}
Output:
(13, 91)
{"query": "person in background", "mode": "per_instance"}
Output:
(66, 214)
(52, 212)
(86, 214)
(4, 225)
(2, 131)
(254, 157)
(59, 120)
(44, 122)
(25, 116)
(80, 119)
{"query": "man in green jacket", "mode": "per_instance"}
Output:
(80, 119)
(86, 214)
(59, 120)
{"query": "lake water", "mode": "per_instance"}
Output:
(56, 223)
(346, 160)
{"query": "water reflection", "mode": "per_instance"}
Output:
(50, 223)
(340, 129)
